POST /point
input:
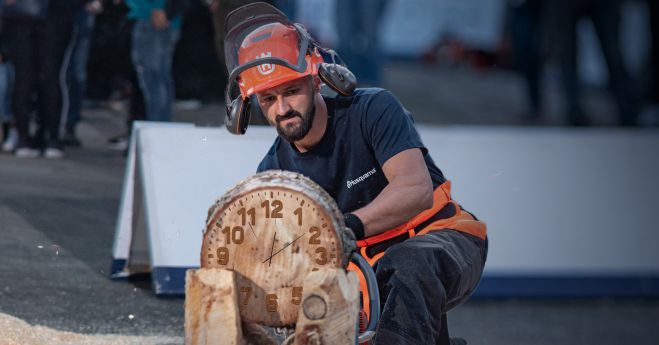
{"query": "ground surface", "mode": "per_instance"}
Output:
(57, 221)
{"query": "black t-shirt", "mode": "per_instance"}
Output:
(363, 131)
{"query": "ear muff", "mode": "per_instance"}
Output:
(238, 114)
(338, 77)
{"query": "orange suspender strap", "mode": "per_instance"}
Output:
(441, 197)
(460, 221)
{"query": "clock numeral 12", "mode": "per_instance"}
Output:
(276, 209)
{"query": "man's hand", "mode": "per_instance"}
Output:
(159, 19)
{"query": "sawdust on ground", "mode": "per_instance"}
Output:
(14, 331)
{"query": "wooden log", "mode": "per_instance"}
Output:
(211, 308)
(272, 229)
(329, 310)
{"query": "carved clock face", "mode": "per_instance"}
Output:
(272, 232)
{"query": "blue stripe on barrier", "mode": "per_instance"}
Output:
(117, 269)
(567, 286)
(171, 281)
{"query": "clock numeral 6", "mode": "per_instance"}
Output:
(271, 302)
(237, 234)
(222, 255)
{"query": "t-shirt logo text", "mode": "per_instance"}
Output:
(351, 183)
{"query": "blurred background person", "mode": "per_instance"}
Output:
(651, 114)
(358, 24)
(156, 31)
(76, 72)
(605, 15)
(9, 133)
(37, 33)
(525, 22)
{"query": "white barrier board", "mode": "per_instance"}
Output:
(124, 226)
(569, 212)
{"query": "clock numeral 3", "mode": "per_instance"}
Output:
(322, 258)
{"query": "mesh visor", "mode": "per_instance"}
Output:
(260, 36)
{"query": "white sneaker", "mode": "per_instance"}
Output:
(118, 143)
(11, 142)
(53, 153)
(26, 152)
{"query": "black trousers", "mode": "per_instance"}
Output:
(421, 279)
(37, 48)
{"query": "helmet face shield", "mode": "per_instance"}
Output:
(263, 49)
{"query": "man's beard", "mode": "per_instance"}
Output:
(293, 132)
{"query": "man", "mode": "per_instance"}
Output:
(156, 31)
(76, 70)
(563, 18)
(363, 149)
(37, 34)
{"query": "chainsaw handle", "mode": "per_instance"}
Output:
(373, 296)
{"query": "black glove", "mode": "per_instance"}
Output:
(355, 224)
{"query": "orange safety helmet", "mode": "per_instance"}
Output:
(273, 40)
(263, 49)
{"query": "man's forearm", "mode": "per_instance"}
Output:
(395, 205)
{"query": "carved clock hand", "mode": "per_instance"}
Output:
(271, 249)
(284, 247)
(251, 228)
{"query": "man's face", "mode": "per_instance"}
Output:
(290, 108)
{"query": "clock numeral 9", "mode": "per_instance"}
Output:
(222, 255)
(237, 235)
(297, 295)
(271, 302)
(276, 209)
(244, 213)
(322, 258)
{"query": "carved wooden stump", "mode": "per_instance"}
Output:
(330, 306)
(211, 308)
(272, 231)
